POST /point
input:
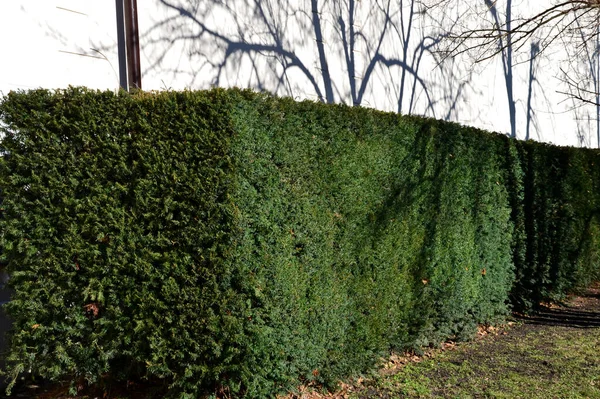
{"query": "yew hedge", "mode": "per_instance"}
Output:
(234, 241)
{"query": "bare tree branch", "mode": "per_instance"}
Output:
(566, 18)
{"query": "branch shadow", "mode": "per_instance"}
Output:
(563, 316)
(582, 311)
(331, 51)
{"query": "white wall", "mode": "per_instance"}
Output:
(275, 45)
(303, 49)
(48, 43)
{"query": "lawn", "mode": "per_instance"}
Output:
(554, 354)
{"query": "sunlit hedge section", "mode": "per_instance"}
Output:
(235, 242)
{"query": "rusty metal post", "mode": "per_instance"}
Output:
(134, 70)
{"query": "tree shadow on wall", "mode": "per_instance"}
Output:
(336, 51)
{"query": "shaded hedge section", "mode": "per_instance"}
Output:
(228, 241)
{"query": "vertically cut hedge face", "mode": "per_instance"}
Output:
(232, 240)
(117, 224)
(555, 202)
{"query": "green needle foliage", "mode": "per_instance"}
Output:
(231, 241)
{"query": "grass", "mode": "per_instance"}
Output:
(544, 363)
(555, 354)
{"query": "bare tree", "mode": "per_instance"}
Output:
(577, 20)
(492, 28)
(581, 78)
(485, 30)
(572, 24)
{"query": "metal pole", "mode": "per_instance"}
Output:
(133, 45)
(597, 85)
(121, 40)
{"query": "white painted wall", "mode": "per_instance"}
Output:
(301, 48)
(48, 43)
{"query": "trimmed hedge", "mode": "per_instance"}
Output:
(556, 215)
(231, 240)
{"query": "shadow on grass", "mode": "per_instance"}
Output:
(566, 317)
(584, 315)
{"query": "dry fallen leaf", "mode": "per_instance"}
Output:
(92, 308)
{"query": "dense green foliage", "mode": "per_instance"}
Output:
(556, 212)
(231, 240)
